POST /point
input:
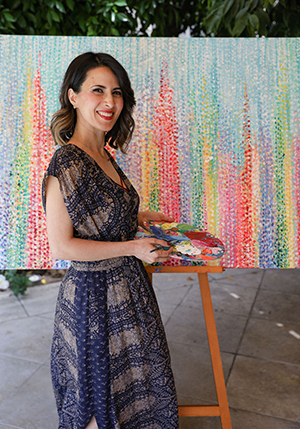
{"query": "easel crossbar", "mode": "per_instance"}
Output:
(198, 410)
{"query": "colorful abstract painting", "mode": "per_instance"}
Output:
(216, 145)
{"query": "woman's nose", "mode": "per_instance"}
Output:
(109, 100)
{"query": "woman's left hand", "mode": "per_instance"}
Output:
(144, 216)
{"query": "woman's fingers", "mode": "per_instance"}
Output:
(156, 242)
(152, 250)
(161, 251)
(153, 216)
(166, 218)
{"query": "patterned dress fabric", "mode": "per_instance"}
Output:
(109, 356)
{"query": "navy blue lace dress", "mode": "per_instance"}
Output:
(109, 356)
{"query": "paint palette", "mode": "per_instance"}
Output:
(189, 243)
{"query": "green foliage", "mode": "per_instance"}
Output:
(251, 18)
(167, 18)
(66, 17)
(18, 281)
(160, 18)
(100, 17)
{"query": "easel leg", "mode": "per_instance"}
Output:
(214, 351)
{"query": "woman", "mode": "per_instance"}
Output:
(110, 362)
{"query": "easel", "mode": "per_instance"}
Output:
(222, 409)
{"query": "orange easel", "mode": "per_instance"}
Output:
(222, 409)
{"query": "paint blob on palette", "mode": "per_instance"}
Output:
(189, 243)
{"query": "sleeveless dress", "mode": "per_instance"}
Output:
(109, 356)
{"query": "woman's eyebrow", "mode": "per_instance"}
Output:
(104, 87)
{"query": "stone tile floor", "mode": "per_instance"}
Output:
(258, 320)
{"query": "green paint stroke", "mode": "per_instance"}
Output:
(281, 133)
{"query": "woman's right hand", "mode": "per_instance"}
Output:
(144, 249)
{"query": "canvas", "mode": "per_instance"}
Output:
(216, 144)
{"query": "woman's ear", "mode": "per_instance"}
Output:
(72, 97)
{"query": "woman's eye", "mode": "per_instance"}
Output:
(98, 90)
(118, 93)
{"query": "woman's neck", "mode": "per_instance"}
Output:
(93, 144)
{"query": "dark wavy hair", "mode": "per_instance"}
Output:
(64, 120)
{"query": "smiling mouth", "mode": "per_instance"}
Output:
(106, 115)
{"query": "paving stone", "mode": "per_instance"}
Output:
(47, 315)
(278, 306)
(10, 307)
(230, 273)
(40, 299)
(27, 338)
(187, 326)
(235, 272)
(246, 420)
(47, 362)
(228, 298)
(251, 278)
(166, 311)
(217, 424)
(170, 294)
(196, 422)
(264, 339)
(265, 387)
(33, 405)
(230, 328)
(12, 379)
(9, 427)
(174, 295)
(284, 280)
(169, 281)
(193, 372)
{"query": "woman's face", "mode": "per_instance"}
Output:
(99, 102)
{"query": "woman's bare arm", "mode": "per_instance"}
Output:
(64, 245)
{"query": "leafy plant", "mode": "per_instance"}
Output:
(17, 281)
